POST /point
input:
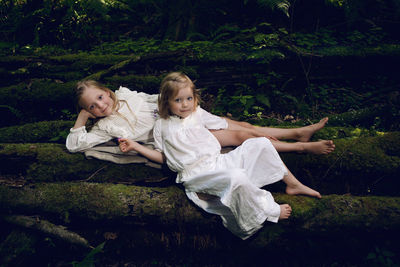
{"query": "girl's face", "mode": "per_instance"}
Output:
(97, 102)
(182, 104)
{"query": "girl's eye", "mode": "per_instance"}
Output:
(100, 97)
(91, 107)
(190, 98)
(177, 100)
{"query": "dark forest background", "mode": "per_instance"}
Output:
(269, 62)
(288, 58)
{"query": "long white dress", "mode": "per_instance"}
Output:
(137, 115)
(235, 178)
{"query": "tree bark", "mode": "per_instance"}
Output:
(168, 210)
(362, 166)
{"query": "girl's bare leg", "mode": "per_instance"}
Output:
(302, 134)
(232, 137)
(295, 187)
(236, 138)
(318, 147)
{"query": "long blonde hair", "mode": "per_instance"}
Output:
(83, 85)
(170, 87)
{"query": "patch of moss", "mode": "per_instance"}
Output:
(84, 60)
(148, 84)
(348, 51)
(17, 249)
(358, 165)
(43, 131)
(52, 162)
(42, 99)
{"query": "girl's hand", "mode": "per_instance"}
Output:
(126, 145)
(86, 114)
(82, 118)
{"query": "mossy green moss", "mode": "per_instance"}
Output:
(169, 207)
(43, 131)
(84, 60)
(17, 248)
(348, 51)
(52, 162)
(362, 165)
(147, 83)
(41, 99)
(99, 201)
(358, 165)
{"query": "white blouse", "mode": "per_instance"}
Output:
(190, 148)
(135, 122)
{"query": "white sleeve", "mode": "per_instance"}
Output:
(211, 121)
(150, 98)
(79, 139)
(158, 145)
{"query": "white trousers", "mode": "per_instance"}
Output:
(236, 181)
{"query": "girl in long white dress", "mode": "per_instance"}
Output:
(232, 182)
(132, 115)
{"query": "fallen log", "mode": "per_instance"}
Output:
(38, 132)
(157, 211)
(38, 162)
(57, 131)
(364, 165)
(45, 227)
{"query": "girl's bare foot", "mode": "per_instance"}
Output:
(306, 132)
(286, 210)
(319, 147)
(300, 189)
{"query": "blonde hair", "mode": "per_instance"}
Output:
(170, 87)
(83, 85)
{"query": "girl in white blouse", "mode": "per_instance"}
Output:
(132, 115)
(224, 184)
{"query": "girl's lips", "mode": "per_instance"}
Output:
(104, 110)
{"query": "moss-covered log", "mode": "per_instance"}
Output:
(168, 210)
(57, 131)
(45, 85)
(364, 165)
(37, 100)
(38, 132)
(361, 165)
(52, 162)
(45, 227)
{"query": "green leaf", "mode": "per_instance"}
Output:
(263, 100)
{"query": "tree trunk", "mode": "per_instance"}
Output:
(168, 210)
(362, 166)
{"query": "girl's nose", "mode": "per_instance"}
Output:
(100, 104)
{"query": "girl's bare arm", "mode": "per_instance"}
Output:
(127, 145)
(83, 117)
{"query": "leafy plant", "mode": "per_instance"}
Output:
(381, 257)
(275, 4)
(89, 260)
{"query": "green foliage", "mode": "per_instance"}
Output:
(239, 105)
(276, 4)
(381, 257)
(84, 24)
(90, 259)
(330, 97)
